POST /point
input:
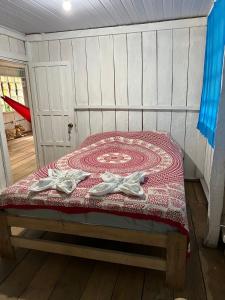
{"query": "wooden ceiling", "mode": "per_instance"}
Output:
(41, 16)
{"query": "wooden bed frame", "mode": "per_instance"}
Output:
(175, 244)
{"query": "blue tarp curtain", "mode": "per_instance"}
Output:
(214, 56)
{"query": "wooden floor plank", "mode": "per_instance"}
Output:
(21, 277)
(155, 286)
(48, 274)
(73, 281)
(7, 266)
(129, 284)
(212, 260)
(195, 288)
(22, 157)
(101, 282)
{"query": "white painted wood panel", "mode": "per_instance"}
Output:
(149, 120)
(196, 58)
(66, 50)
(217, 177)
(94, 82)
(93, 70)
(54, 50)
(107, 81)
(40, 81)
(52, 108)
(190, 145)
(200, 155)
(55, 94)
(108, 120)
(120, 65)
(5, 171)
(135, 121)
(122, 121)
(149, 68)
(66, 54)
(134, 50)
(165, 66)
(4, 42)
(3, 182)
(120, 70)
(149, 78)
(180, 40)
(107, 69)
(178, 127)
(12, 48)
(95, 122)
(16, 46)
(34, 52)
(83, 125)
(164, 72)
(180, 66)
(195, 76)
(105, 20)
(136, 81)
(43, 51)
(208, 163)
(80, 71)
(48, 154)
(163, 121)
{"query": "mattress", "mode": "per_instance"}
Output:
(122, 153)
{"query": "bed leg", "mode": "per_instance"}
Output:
(6, 248)
(176, 260)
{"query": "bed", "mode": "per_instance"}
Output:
(158, 219)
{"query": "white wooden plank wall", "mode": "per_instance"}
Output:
(156, 69)
(208, 163)
(12, 48)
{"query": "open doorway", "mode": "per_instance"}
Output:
(18, 130)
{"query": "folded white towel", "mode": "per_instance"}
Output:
(113, 183)
(64, 181)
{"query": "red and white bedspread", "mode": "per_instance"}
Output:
(120, 153)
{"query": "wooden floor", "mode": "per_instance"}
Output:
(36, 275)
(22, 157)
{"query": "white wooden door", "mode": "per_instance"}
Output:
(53, 109)
(5, 172)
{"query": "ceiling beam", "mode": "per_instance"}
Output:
(183, 23)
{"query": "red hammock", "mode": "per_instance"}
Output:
(20, 108)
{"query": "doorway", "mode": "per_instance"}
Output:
(18, 130)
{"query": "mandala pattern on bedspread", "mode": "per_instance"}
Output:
(121, 153)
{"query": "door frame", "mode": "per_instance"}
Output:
(30, 102)
(5, 153)
(3, 140)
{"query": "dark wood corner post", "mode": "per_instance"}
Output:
(176, 260)
(6, 248)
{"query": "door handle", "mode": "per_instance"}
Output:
(70, 126)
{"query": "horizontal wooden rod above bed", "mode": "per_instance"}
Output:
(138, 108)
(94, 231)
(112, 256)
